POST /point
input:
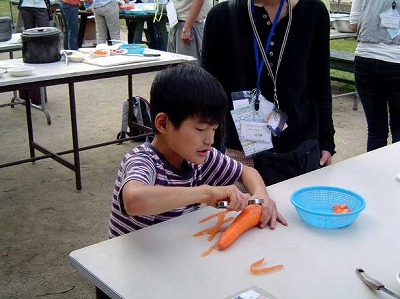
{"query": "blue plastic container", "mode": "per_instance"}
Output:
(314, 206)
(134, 48)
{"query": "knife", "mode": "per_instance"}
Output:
(374, 284)
(224, 203)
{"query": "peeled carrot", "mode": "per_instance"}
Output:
(247, 219)
(254, 270)
(209, 250)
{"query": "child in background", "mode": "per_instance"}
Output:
(180, 170)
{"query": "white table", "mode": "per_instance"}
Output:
(48, 74)
(163, 261)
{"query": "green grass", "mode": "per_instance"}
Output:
(5, 9)
(346, 45)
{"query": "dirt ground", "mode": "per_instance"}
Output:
(43, 218)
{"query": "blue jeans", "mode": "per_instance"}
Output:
(70, 21)
(378, 86)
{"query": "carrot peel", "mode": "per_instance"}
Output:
(255, 270)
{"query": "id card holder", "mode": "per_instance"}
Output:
(241, 99)
(390, 19)
(276, 121)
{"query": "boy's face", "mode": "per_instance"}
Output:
(190, 142)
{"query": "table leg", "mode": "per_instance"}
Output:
(82, 28)
(75, 143)
(28, 112)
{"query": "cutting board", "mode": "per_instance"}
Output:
(118, 60)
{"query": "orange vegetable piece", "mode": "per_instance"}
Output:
(341, 208)
(212, 216)
(209, 250)
(255, 270)
(247, 219)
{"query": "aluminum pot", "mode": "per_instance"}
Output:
(41, 45)
(5, 29)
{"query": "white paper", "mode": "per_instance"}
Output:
(171, 13)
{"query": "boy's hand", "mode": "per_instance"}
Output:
(270, 215)
(237, 199)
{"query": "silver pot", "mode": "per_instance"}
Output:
(342, 25)
(5, 29)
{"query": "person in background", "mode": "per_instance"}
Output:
(250, 46)
(106, 14)
(70, 19)
(377, 67)
(179, 170)
(187, 35)
(34, 13)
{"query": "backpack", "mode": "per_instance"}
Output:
(136, 117)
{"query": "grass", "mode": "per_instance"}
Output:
(346, 45)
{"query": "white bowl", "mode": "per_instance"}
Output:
(2, 72)
(7, 65)
(76, 56)
(21, 71)
(86, 50)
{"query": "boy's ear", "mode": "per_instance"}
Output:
(161, 121)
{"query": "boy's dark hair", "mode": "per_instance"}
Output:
(187, 90)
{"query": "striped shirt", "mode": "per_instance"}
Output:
(145, 164)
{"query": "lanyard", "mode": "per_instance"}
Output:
(263, 50)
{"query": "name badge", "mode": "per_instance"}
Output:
(254, 131)
(390, 19)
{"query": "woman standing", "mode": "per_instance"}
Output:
(70, 18)
(377, 67)
(278, 50)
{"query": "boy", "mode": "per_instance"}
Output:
(179, 170)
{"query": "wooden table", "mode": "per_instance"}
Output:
(163, 261)
(49, 74)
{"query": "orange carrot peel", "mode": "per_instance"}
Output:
(255, 270)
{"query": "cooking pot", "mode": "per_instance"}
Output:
(5, 29)
(41, 45)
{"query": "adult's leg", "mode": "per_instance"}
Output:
(193, 48)
(41, 17)
(394, 102)
(27, 17)
(70, 28)
(372, 89)
(112, 20)
(101, 25)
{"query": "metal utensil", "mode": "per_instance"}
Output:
(374, 284)
(224, 203)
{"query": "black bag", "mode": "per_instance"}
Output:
(277, 167)
(136, 117)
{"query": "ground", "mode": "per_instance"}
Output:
(43, 218)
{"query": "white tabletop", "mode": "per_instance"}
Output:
(163, 261)
(58, 70)
(14, 44)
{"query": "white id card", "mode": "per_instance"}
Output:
(390, 19)
(171, 13)
(255, 131)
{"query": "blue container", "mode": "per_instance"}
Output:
(134, 48)
(314, 206)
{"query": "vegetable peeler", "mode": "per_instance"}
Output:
(224, 203)
(374, 284)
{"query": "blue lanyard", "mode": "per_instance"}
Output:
(260, 64)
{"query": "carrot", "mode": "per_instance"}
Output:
(247, 219)
(340, 208)
(254, 270)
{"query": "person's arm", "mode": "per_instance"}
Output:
(354, 14)
(253, 182)
(194, 12)
(139, 198)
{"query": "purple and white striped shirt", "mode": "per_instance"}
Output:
(147, 165)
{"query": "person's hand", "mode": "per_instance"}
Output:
(270, 214)
(237, 199)
(186, 35)
(326, 158)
